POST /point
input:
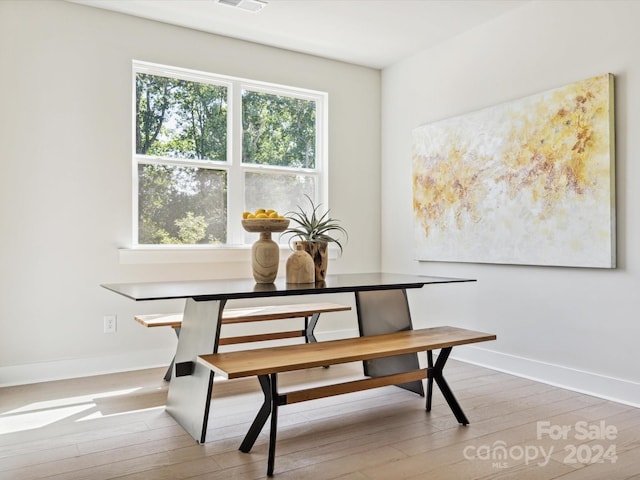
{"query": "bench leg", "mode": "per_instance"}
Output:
(309, 327)
(434, 372)
(274, 424)
(261, 417)
(269, 385)
(429, 378)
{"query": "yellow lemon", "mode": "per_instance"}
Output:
(261, 215)
(260, 210)
(246, 214)
(251, 215)
(273, 215)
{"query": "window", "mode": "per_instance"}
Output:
(208, 147)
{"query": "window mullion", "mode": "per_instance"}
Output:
(235, 186)
(322, 150)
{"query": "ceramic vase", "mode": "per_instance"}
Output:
(300, 266)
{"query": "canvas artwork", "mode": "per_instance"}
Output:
(526, 182)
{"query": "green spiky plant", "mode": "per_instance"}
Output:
(314, 226)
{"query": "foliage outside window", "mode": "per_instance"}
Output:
(208, 147)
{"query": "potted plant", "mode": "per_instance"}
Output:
(315, 230)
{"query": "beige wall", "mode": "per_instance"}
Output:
(65, 182)
(572, 327)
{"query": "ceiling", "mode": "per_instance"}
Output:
(373, 33)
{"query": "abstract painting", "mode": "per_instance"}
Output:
(527, 182)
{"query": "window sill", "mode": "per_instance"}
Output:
(205, 254)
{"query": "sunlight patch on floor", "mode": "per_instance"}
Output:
(40, 414)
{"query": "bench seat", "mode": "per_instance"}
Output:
(248, 314)
(267, 363)
(309, 311)
(286, 358)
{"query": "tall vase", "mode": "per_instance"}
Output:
(265, 253)
(265, 256)
(319, 253)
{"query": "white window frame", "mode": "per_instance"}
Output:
(233, 164)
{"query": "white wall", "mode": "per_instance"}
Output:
(573, 327)
(65, 179)
(65, 204)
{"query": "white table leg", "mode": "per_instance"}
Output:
(189, 393)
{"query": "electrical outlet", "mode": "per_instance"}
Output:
(110, 323)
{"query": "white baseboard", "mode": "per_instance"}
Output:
(608, 388)
(83, 367)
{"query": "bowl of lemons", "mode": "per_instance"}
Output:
(264, 220)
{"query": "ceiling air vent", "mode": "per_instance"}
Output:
(248, 5)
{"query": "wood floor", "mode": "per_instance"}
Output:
(115, 426)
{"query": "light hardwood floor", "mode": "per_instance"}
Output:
(115, 426)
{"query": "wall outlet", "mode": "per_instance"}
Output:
(110, 323)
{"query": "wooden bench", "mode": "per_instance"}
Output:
(309, 311)
(266, 363)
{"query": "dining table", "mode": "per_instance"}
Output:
(381, 303)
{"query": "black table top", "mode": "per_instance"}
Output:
(203, 290)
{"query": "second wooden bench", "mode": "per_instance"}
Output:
(309, 311)
(266, 363)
